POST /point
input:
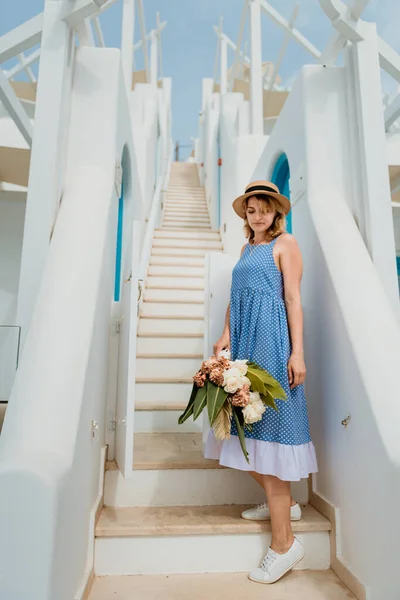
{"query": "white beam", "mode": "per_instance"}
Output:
(392, 112)
(26, 68)
(357, 31)
(284, 23)
(239, 43)
(231, 44)
(389, 59)
(256, 87)
(21, 38)
(15, 109)
(358, 8)
(158, 31)
(128, 32)
(75, 13)
(99, 32)
(48, 148)
(224, 67)
(285, 44)
(371, 151)
(153, 57)
(144, 37)
(218, 53)
(85, 33)
(33, 57)
(139, 44)
(333, 48)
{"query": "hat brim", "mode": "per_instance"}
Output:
(240, 210)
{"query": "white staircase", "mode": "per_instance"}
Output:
(179, 513)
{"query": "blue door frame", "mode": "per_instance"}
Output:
(281, 176)
(118, 257)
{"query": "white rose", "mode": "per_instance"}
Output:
(231, 380)
(255, 397)
(253, 412)
(224, 354)
(241, 365)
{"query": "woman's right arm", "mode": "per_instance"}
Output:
(224, 341)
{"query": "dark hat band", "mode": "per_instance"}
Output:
(261, 188)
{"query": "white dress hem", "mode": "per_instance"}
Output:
(288, 463)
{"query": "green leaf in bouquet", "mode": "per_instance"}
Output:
(189, 409)
(200, 402)
(216, 397)
(268, 400)
(262, 381)
(240, 429)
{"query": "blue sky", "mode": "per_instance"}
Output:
(189, 43)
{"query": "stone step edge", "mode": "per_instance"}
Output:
(164, 334)
(194, 520)
(172, 317)
(146, 407)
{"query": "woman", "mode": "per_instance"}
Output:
(264, 324)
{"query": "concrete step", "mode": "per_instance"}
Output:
(196, 540)
(163, 366)
(186, 215)
(164, 421)
(187, 235)
(169, 282)
(187, 244)
(188, 227)
(186, 327)
(173, 295)
(170, 310)
(168, 345)
(297, 585)
(180, 251)
(180, 261)
(172, 395)
(175, 271)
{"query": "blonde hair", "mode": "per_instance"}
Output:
(279, 223)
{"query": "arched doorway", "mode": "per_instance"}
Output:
(281, 176)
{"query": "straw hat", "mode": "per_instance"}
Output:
(266, 188)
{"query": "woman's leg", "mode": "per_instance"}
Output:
(260, 480)
(279, 499)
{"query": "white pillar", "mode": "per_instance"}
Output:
(154, 57)
(128, 29)
(48, 155)
(224, 66)
(375, 185)
(256, 90)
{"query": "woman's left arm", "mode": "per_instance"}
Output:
(292, 269)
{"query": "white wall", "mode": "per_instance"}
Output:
(12, 214)
(212, 116)
(145, 122)
(352, 339)
(47, 452)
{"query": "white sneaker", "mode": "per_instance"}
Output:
(274, 566)
(262, 513)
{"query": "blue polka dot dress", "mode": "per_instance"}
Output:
(280, 443)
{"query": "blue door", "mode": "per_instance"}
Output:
(281, 176)
(118, 257)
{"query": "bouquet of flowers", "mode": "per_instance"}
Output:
(238, 390)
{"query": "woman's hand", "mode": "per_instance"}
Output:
(223, 342)
(296, 370)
